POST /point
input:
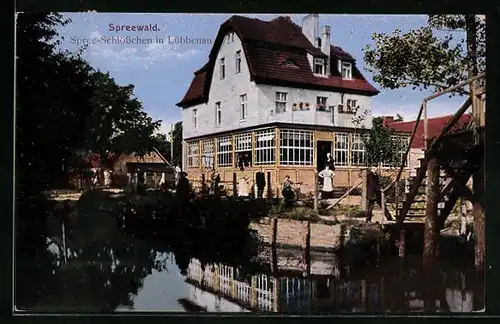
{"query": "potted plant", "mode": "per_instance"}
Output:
(307, 105)
(294, 106)
(301, 104)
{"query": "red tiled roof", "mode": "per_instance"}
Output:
(434, 127)
(266, 45)
(95, 161)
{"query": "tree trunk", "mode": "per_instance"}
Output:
(431, 226)
(479, 228)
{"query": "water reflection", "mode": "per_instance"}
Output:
(106, 270)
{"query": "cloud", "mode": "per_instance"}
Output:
(125, 52)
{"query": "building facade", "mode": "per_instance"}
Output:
(281, 97)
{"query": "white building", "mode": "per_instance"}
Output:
(282, 94)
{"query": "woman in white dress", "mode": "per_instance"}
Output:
(242, 186)
(327, 175)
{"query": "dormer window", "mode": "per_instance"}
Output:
(319, 66)
(346, 70)
(289, 62)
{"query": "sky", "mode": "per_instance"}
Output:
(162, 73)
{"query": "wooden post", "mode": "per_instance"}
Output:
(426, 132)
(382, 201)
(431, 226)
(276, 294)
(235, 189)
(269, 187)
(396, 199)
(478, 176)
(233, 288)
(253, 292)
(364, 191)
(203, 184)
(308, 250)
(342, 238)
(273, 246)
(364, 293)
(316, 185)
(463, 219)
(63, 232)
(402, 243)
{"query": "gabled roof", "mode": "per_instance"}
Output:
(266, 45)
(434, 127)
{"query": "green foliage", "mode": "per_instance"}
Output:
(381, 143)
(66, 110)
(424, 60)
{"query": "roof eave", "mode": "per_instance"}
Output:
(312, 86)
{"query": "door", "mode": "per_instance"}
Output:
(323, 147)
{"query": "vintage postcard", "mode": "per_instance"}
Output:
(259, 163)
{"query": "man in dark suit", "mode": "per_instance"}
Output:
(260, 181)
(373, 193)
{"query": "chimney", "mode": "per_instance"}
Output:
(310, 28)
(325, 46)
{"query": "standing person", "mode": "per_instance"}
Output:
(214, 185)
(107, 178)
(327, 175)
(373, 194)
(242, 185)
(183, 192)
(177, 174)
(260, 180)
(330, 162)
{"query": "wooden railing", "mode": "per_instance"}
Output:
(429, 148)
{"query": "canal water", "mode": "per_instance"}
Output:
(106, 269)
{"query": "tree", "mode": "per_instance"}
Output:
(382, 145)
(64, 108)
(423, 60)
(420, 59)
(118, 124)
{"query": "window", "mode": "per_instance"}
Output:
(243, 146)
(318, 41)
(265, 147)
(238, 62)
(400, 143)
(222, 69)
(319, 66)
(296, 147)
(346, 70)
(195, 118)
(193, 155)
(218, 114)
(207, 153)
(243, 106)
(321, 103)
(351, 104)
(341, 149)
(224, 152)
(232, 37)
(289, 62)
(357, 150)
(281, 102)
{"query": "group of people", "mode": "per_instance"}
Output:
(327, 175)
